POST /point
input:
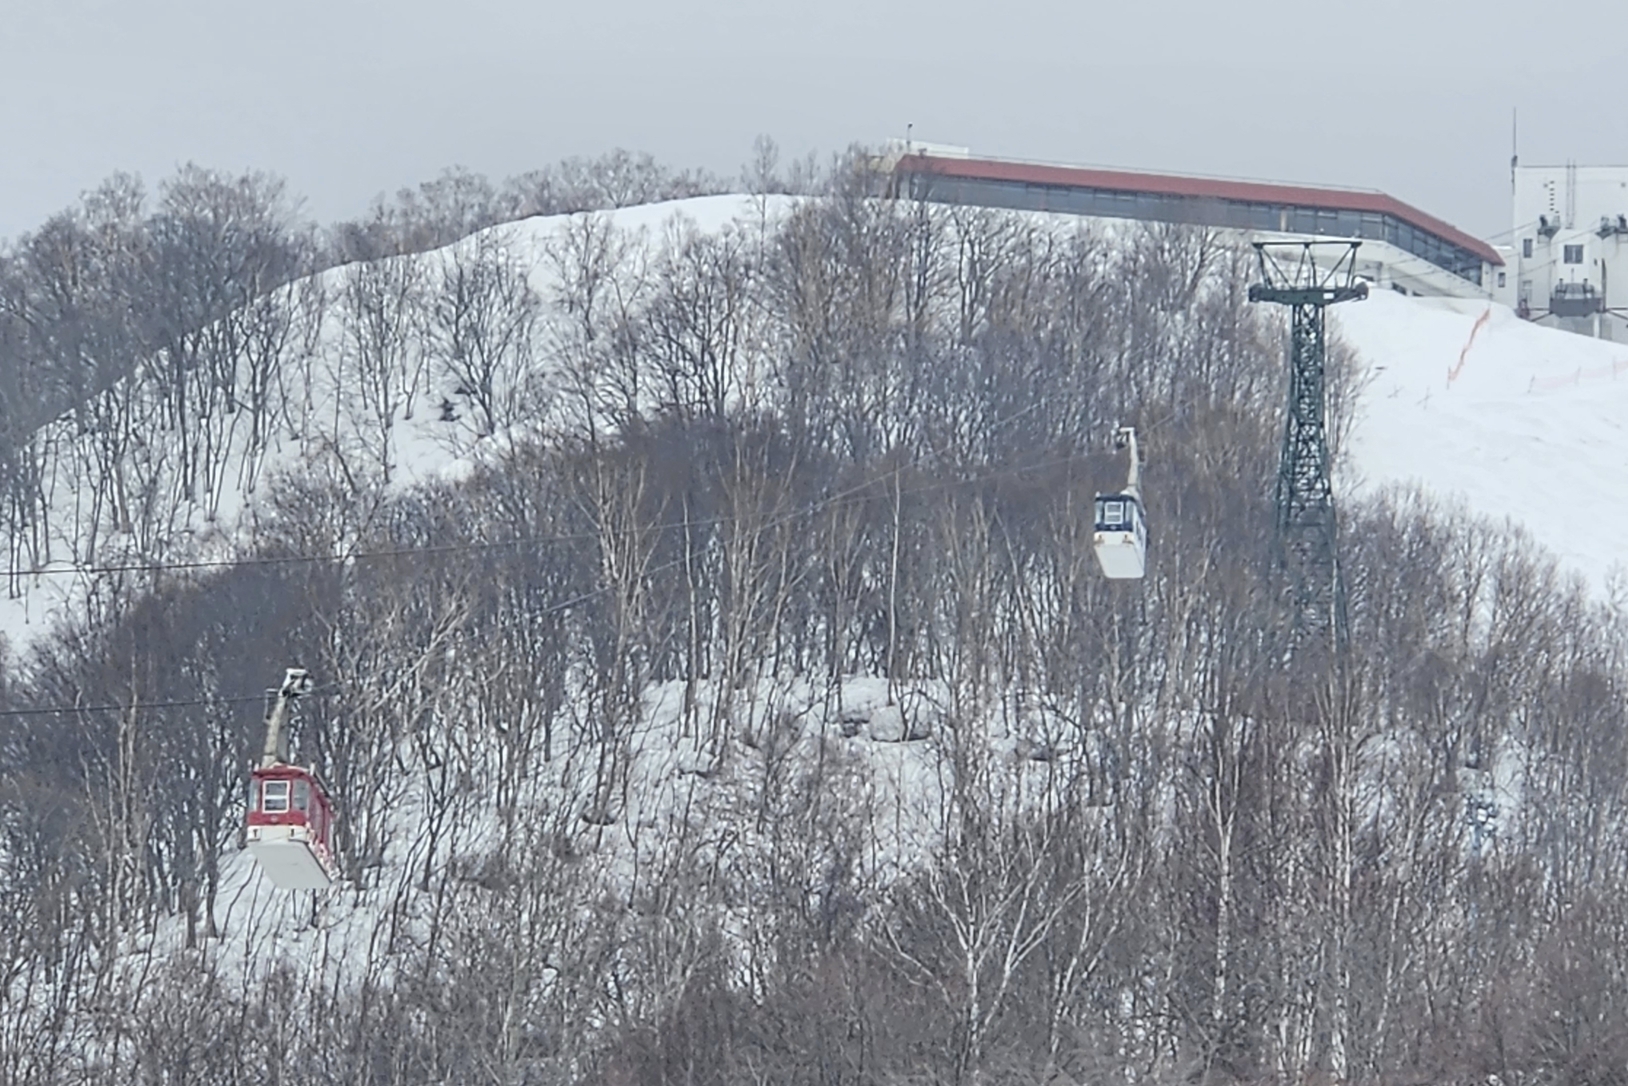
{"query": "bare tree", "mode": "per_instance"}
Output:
(483, 319)
(379, 370)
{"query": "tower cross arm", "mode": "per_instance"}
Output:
(1307, 295)
(1322, 272)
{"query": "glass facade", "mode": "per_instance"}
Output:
(1198, 211)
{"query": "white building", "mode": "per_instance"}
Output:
(1568, 260)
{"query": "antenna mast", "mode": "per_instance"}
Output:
(1514, 143)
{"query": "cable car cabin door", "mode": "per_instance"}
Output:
(1121, 538)
(290, 827)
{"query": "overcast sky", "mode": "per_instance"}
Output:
(350, 98)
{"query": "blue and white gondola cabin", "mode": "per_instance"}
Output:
(1121, 537)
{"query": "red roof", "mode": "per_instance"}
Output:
(1200, 188)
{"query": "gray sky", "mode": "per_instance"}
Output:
(350, 98)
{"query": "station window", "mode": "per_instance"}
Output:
(1526, 248)
(1574, 254)
(1500, 278)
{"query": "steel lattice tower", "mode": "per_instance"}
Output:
(1308, 277)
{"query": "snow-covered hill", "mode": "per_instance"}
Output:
(1517, 421)
(521, 802)
(1463, 400)
(118, 492)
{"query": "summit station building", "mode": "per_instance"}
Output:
(1402, 249)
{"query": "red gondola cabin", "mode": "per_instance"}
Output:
(290, 827)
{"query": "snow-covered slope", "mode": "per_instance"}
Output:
(1471, 403)
(1463, 399)
(322, 419)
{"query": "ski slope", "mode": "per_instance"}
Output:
(1520, 423)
